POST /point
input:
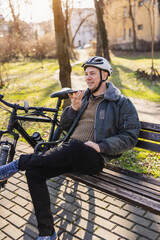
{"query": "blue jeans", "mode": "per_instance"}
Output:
(72, 156)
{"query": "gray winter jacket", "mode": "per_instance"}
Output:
(116, 122)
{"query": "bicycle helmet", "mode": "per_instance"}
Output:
(100, 63)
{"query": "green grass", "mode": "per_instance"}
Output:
(141, 161)
(126, 78)
(28, 81)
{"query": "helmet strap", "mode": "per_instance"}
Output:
(101, 80)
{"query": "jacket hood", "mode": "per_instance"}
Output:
(112, 93)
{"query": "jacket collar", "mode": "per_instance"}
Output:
(112, 93)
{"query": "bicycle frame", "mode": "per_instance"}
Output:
(14, 124)
(8, 148)
(15, 118)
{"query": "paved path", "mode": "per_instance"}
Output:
(80, 212)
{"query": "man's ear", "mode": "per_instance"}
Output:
(104, 75)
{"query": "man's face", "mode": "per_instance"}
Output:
(92, 77)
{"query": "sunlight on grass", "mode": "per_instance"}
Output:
(28, 81)
(126, 79)
(133, 87)
(140, 160)
(78, 69)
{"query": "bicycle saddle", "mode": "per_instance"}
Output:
(63, 93)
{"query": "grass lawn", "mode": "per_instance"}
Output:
(124, 75)
(28, 81)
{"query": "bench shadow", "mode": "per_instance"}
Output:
(67, 209)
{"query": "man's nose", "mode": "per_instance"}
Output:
(88, 76)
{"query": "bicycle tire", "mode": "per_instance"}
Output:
(4, 153)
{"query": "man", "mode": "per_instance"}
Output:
(101, 124)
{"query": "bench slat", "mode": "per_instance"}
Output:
(128, 186)
(150, 136)
(136, 175)
(150, 126)
(149, 146)
(132, 181)
(127, 195)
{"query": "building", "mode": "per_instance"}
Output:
(127, 20)
(43, 28)
(84, 20)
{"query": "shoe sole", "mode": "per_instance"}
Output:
(4, 180)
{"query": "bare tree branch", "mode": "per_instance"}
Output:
(83, 20)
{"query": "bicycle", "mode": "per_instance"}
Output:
(31, 114)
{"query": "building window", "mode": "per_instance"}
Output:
(124, 34)
(130, 32)
(140, 3)
(125, 12)
(140, 26)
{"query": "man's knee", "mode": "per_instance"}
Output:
(34, 173)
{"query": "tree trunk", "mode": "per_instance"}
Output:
(102, 29)
(99, 43)
(16, 21)
(133, 26)
(62, 48)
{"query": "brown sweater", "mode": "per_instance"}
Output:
(85, 128)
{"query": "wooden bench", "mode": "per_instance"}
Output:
(139, 189)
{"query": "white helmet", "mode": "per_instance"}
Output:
(100, 63)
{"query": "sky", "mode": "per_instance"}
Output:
(40, 10)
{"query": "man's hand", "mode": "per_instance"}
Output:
(76, 99)
(93, 145)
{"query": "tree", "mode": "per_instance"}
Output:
(69, 11)
(101, 27)
(61, 43)
(150, 6)
(99, 43)
(133, 25)
(80, 24)
(15, 19)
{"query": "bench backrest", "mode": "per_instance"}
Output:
(149, 137)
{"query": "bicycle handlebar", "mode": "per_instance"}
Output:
(18, 107)
(62, 94)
